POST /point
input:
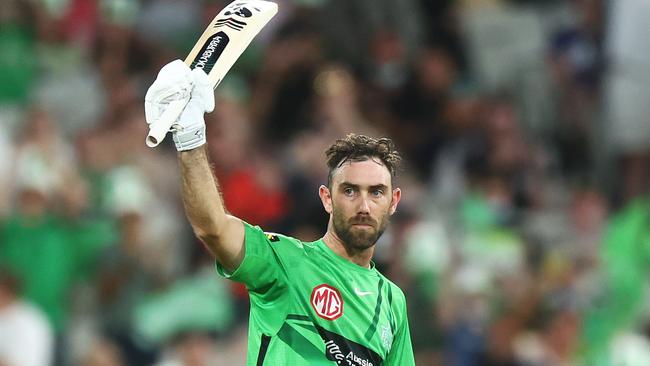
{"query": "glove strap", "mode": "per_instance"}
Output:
(188, 140)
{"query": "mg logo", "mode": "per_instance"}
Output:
(327, 302)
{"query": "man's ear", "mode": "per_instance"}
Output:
(326, 198)
(397, 195)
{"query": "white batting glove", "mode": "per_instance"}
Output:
(176, 82)
(189, 132)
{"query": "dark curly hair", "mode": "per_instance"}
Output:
(360, 148)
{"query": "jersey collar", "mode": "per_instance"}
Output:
(345, 262)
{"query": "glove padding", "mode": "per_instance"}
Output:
(175, 82)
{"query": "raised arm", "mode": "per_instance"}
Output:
(222, 234)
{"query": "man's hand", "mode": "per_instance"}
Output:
(176, 82)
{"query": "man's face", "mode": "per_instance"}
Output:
(360, 202)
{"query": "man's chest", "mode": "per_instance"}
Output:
(352, 314)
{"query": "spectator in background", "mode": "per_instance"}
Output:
(47, 241)
(26, 337)
(42, 155)
(619, 304)
(18, 67)
(358, 21)
(420, 105)
(627, 96)
(191, 349)
(442, 27)
(34, 245)
(576, 62)
(250, 183)
(127, 270)
(103, 353)
(281, 95)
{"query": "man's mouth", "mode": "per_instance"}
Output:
(363, 224)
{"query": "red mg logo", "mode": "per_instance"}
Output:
(327, 302)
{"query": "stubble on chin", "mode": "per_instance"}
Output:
(357, 238)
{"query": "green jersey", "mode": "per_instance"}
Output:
(311, 307)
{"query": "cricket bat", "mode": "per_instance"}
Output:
(220, 45)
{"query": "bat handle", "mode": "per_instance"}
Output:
(159, 128)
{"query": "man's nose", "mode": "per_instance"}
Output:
(364, 206)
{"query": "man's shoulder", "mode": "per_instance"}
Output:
(282, 240)
(282, 245)
(293, 253)
(396, 292)
(257, 234)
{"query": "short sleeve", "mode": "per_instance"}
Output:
(260, 270)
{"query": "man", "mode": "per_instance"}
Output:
(318, 303)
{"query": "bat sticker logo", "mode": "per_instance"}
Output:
(210, 52)
(230, 23)
(241, 11)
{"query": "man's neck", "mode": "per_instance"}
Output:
(361, 258)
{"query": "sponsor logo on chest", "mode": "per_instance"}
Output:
(327, 302)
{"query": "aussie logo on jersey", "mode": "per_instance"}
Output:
(345, 352)
(326, 302)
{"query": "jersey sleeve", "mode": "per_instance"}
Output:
(401, 352)
(260, 268)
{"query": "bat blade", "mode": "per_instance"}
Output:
(220, 45)
(228, 35)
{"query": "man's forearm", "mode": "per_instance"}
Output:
(201, 197)
(222, 234)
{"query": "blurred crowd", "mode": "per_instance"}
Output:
(523, 235)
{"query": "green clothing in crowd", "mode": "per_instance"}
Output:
(17, 63)
(48, 254)
(625, 257)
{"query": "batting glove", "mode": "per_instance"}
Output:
(176, 82)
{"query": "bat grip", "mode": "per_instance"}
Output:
(159, 128)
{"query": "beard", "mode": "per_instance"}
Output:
(355, 238)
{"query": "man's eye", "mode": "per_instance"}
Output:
(377, 193)
(348, 191)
